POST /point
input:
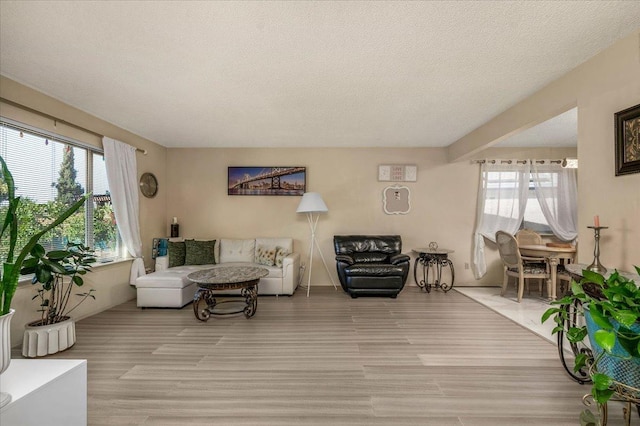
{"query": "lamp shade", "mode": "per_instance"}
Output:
(312, 203)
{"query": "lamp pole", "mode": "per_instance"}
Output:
(313, 224)
(311, 203)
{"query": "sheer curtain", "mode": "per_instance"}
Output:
(122, 175)
(502, 198)
(557, 193)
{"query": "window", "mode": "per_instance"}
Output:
(50, 173)
(534, 218)
(502, 199)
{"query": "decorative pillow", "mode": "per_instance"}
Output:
(281, 253)
(265, 255)
(176, 252)
(199, 252)
(237, 251)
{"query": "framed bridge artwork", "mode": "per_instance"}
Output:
(266, 180)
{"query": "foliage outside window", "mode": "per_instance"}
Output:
(50, 174)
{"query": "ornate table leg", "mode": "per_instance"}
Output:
(446, 262)
(250, 295)
(428, 265)
(553, 265)
(415, 272)
(423, 261)
(203, 297)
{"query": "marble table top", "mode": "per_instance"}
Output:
(228, 275)
(432, 250)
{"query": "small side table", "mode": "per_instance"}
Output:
(433, 259)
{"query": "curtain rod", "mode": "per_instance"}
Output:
(518, 161)
(58, 120)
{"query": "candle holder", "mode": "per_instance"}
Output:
(596, 266)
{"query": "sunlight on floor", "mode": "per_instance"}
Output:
(526, 313)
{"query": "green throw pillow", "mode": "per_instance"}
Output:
(199, 252)
(176, 252)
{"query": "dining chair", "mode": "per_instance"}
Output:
(515, 266)
(528, 237)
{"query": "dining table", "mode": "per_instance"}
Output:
(552, 255)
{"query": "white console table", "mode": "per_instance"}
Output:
(45, 392)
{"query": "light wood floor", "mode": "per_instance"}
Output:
(421, 359)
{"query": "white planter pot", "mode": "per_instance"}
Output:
(5, 350)
(42, 340)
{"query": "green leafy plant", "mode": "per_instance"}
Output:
(57, 272)
(614, 306)
(12, 263)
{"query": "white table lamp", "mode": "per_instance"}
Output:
(311, 204)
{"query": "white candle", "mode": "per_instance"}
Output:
(175, 220)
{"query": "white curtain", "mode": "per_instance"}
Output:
(122, 175)
(557, 193)
(502, 198)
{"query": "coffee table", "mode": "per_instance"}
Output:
(245, 278)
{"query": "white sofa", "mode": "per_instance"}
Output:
(168, 287)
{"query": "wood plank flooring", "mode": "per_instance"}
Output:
(421, 359)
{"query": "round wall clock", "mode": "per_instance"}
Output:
(148, 185)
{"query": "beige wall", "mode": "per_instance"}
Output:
(607, 83)
(443, 200)
(111, 281)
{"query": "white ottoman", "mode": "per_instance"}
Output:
(167, 289)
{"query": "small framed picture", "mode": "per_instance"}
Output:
(628, 141)
(396, 199)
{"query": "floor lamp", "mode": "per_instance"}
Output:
(312, 203)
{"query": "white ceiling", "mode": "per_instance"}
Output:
(301, 74)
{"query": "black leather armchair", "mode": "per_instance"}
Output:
(371, 265)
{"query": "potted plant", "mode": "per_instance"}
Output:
(610, 308)
(13, 260)
(56, 273)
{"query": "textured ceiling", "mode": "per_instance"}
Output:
(295, 74)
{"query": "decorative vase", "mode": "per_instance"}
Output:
(42, 340)
(5, 350)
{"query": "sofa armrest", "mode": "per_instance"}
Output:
(290, 273)
(345, 258)
(399, 258)
(162, 263)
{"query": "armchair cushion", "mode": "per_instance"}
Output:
(345, 259)
(374, 270)
(370, 257)
(399, 258)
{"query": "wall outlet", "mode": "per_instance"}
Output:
(466, 265)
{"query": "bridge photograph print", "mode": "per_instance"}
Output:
(266, 180)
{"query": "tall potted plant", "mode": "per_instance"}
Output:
(12, 262)
(610, 308)
(56, 274)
